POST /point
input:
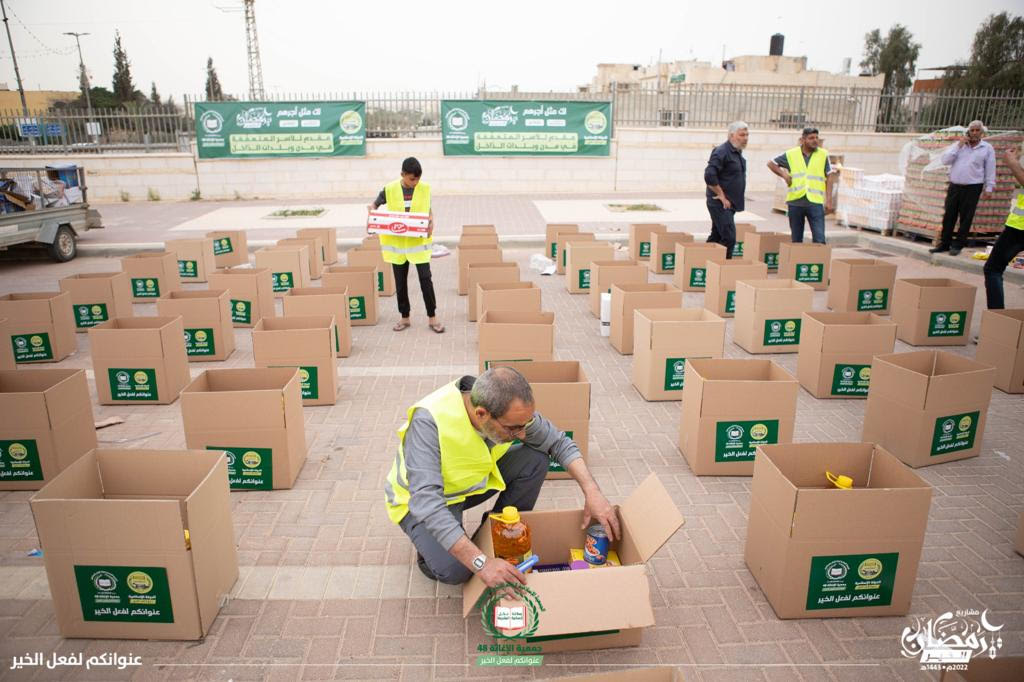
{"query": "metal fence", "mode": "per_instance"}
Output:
(417, 114)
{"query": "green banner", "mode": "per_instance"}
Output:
(525, 128)
(280, 129)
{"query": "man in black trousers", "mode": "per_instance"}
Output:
(726, 178)
(972, 163)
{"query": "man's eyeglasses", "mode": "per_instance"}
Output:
(514, 429)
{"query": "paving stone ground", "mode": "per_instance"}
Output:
(328, 590)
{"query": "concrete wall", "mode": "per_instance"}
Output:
(641, 160)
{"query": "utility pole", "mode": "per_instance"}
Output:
(253, 46)
(84, 80)
(14, 59)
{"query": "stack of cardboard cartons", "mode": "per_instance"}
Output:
(288, 265)
(139, 360)
(138, 544)
(479, 273)
(307, 343)
(98, 296)
(764, 247)
(361, 282)
(836, 350)
(691, 273)
(323, 301)
(487, 239)
(230, 248)
(47, 424)
(468, 255)
(521, 296)
(40, 326)
(663, 250)
(820, 552)
(861, 285)
(628, 297)
(806, 263)
(1001, 344)
(730, 407)
(928, 407)
(587, 609)
(578, 259)
(254, 415)
(742, 230)
(513, 336)
(605, 273)
(151, 274)
(720, 292)
(6, 350)
(328, 239)
(251, 293)
(933, 312)
(195, 258)
(563, 241)
(640, 239)
(769, 314)
(375, 258)
(551, 232)
(315, 249)
(206, 315)
(665, 339)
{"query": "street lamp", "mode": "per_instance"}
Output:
(84, 80)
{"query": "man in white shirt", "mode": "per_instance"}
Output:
(972, 171)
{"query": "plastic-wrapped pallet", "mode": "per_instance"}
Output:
(873, 201)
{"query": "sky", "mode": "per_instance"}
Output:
(318, 46)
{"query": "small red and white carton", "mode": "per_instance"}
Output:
(398, 224)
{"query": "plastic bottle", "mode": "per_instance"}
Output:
(510, 536)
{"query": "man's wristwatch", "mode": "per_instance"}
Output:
(478, 563)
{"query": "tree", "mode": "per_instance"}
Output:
(213, 89)
(124, 89)
(154, 96)
(894, 56)
(997, 56)
(83, 79)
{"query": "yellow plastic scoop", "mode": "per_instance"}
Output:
(839, 481)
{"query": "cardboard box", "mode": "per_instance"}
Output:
(587, 609)
(361, 282)
(561, 393)
(836, 350)
(371, 242)
(195, 258)
(979, 669)
(306, 343)
(323, 301)
(255, 416)
(578, 258)
(663, 250)
(742, 230)
(806, 263)
(933, 312)
(47, 425)
(374, 258)
(720, 292)
(658, 674)
(479, 229)
(820, 552)
(605, 273)
(230, 248)
(6, 350)
(691, 272)
(1001, 344)
(665, 339)
(479, 240)
(769, 314)
(251, 293)
(513, 336)
(151, 274)
(98, 296)
(764, 247)
(928, 407)
(138, 544)
(206, 315)
(564, 238)
(730, 407)
(551, 232)
(329, 241)
(478, 273)
(315, 247)
(474, 254)
(628, 297)
(861, 285)
(522, 296)
(139, 360)
(288, 265)
(640, 239)
(40, 326)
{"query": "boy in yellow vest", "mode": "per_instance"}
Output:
(408, 194)
(1011, 239)
(808, 175)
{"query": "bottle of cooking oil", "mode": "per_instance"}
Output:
(510, 536)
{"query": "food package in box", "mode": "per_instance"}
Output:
(398, 224)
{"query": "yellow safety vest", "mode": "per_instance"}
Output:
(808, 179)
(1016, 217)
(396, 249)
(467, 466)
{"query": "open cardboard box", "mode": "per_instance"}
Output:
(252, 293)
(40, 326)
(806, 263)
(665, 338)
(139, 360)
(329, 241)
(195, 258)
(478, 229)
(663, 250)
(742, 230)
(288, 265)
(315, 247)
(563, 239)
(306, 343)
(720, 292)
(323, 301)
(230, 248)
(478, 240)
(628, 297)
(1001, 344)
(98, 296)
(521, 296)
(836, 350)
(578, 263)
(151, 274)
(206, 315)
(474, 254)
(551, 232)
(861, 285)
(605, 273)
(640, 239)
(933, 312)
(764, 247)
(769, 314)
(375, 258)
(691, 273)
(512, 336)
(478, 273)
(361, 282)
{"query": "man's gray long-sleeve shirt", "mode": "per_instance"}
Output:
(423, 463)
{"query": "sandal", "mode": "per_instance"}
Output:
(401, 326)
(438, 328)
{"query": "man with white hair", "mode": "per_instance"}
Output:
(972, 163)
(726, 178)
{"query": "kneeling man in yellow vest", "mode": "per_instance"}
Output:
(466, 442)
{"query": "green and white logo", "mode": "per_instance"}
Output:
(510, 611)
(351, 122)
(211, 122)
(595, 122)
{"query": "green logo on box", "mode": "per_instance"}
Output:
(19, 460)
(241, 311)
(675, 369)
(772, 260)
(851, 379)
(132, 383)
(249, 468)
(554, 466)
(380, 281)
(189, 269)
(784, 332)
(222, 246)
(645, 249)
(357, 307)
(668, 261)
(90, 314)
(730, 301)
(947, 323)
(564, 255)
(309, 381)
(337, 341)
(809, 272)
(872, 299)
(554, 250)
(954, 433)
(851, 581)
(282, 281)
(127, 594)
(145, 287)
(200, 342)
(584, 278)
(698, 277)
(737, 249)
(488, 363)
(32, 347)
(737, 441)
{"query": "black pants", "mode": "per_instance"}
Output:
(723, 226)
(961, 202)
(402, 287)
(1007, 246)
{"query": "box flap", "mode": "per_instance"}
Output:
(1003, 327)
(650, 516)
